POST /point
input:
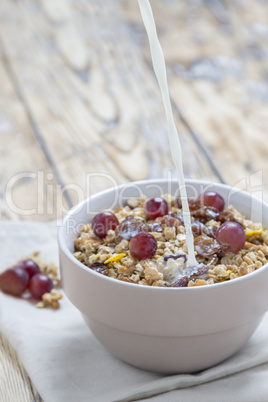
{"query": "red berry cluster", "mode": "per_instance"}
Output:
(143, 245)
(26, 274)
(208, 205)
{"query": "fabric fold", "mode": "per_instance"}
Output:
(66, 362)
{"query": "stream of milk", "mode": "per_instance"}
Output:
(161, 75)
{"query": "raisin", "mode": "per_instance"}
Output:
(181, 283)
(206, 246)
(193, 204)
(202, 270)
(211, 231)
(129, 228)
(205, 214)
(175, 257)
(99, 267)
(154, 227)
(198, 228)
(177, 216)
(228, 216)
(171, 221)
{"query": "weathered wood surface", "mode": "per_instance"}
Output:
(218, 61)
(78, 100)
(15, 384)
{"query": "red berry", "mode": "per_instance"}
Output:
(156, 207)
(29, 266)
(212, 199)
(232, 235)
(40, 284)
(14, 281)
(103, 222)
(143, 246)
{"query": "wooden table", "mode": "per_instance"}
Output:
(80, 107)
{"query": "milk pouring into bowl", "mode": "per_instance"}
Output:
(160, 72)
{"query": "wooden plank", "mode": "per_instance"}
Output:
(15, 384)
(217, 59)
(236, 141)
(93, 116)
(21, 158)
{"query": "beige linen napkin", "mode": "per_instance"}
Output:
(66, 363)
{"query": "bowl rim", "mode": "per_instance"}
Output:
(63, 247)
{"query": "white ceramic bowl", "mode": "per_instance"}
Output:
(165, 330)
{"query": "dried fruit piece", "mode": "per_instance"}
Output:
(175, 257)
(198, 228)
(154, 227)
(114, 258)
(103, 222)
(205, 214)
(14, 281)
(201, 271)
(250, 233)
(206, 246)
(181, 283)
(99, 267)
(177, 216)
(143, 246)
(228, 216)
(171, 221)
(129, 228)
(193, 204)
(211, 231)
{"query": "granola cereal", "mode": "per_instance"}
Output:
(111, 255)
(32, 276)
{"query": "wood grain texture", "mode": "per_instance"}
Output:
(80, 108)
(21, 157)
(217, 59)
(84, 107)
(15, 384)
